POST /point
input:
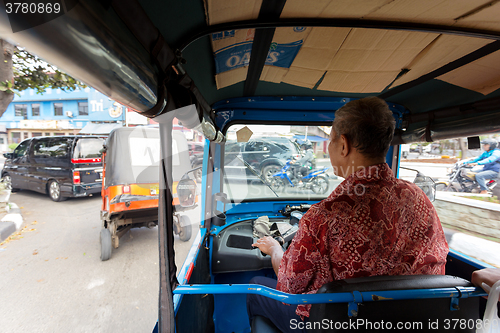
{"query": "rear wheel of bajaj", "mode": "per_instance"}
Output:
(320, 185)
(106, 246)
(185, 228)
(55, 191)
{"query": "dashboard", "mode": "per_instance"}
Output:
(232, 247)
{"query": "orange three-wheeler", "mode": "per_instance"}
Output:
(131, 187)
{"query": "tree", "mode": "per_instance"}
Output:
(21, 70)
(6, 75)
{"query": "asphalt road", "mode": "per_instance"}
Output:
(52, 279)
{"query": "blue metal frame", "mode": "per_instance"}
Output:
(352, 298)
(469, 260)
(300, 109)
(190, 258)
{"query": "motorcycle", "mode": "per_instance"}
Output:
(463, 179)
(315, 180)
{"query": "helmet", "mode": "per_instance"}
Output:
(306, 145)
(493, 144)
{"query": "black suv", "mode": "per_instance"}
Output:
(61, 166)
(265, 155)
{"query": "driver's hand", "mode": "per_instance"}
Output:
(267, 244)
(472, 164)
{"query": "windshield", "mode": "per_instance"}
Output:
(269, 161)
(88, 148)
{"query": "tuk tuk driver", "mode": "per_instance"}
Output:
(371, 224)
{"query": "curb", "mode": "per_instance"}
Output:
(479, 248)
(11, 222)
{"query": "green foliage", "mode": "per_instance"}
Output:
(6, 86)
(32, 72)
(487, 199)
(13, 146)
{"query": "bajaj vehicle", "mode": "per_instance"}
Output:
(62, 166)
(214, 64)
(131, 184)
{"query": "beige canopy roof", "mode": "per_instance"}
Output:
(360, 60)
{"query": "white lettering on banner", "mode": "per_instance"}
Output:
(96, 106)
(273, 57)
(236, 60)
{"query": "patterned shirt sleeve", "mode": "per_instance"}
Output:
(303, 266)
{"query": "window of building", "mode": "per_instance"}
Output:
(37, 134)
(21, 110)
(83, 108)
(2, 141)
(55, 133)
(26, 135)
(35, 110)
(58, 109)
(16, 137)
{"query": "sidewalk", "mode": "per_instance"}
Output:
(11, 221)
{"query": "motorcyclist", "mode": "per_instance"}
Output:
(490, 160)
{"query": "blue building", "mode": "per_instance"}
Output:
(58, 113)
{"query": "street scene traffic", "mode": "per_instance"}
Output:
(57, 241)
(206, 166)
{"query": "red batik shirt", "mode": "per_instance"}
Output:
(371, 224)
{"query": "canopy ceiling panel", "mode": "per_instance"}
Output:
(219, 11)
(480, 75)
(331, 8)
(353, 60)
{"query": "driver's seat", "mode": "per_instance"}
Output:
(411, 310)
(415, 310)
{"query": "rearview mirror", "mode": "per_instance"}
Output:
(8, 155)
(427, 185)
(473, 142)
(186, 192)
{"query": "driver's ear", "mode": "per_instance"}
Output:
(345, 146)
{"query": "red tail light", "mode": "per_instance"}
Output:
(76, 177)
(126, 189)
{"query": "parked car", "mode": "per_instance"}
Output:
(60, 166)
(196, 157)
(266, 155)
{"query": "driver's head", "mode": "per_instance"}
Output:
(368, 124)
